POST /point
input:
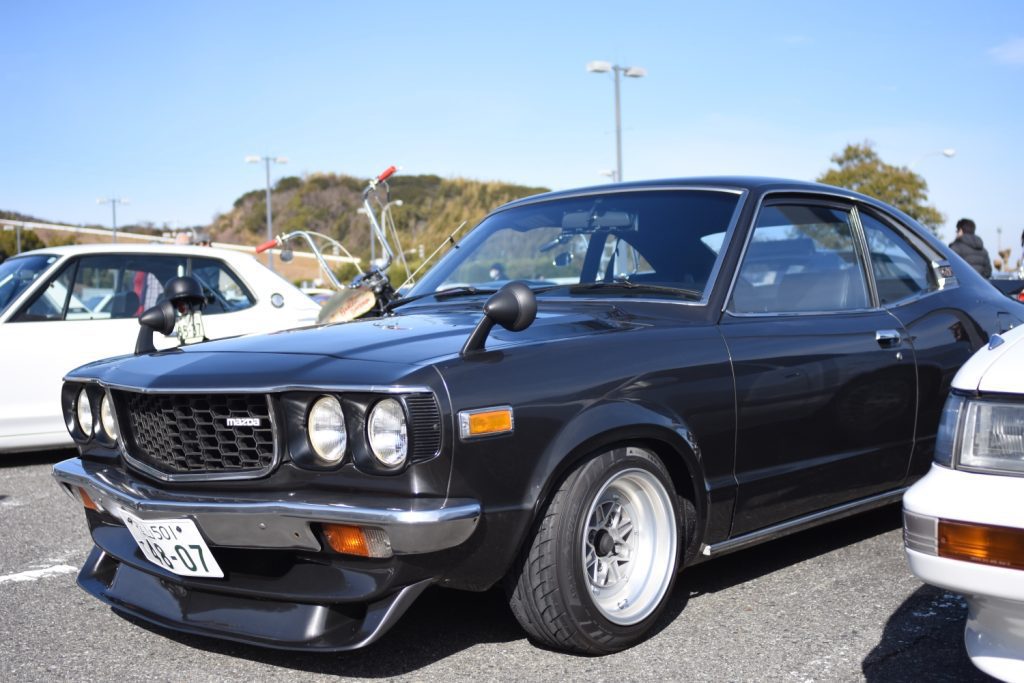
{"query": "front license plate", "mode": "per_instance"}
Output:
(174, 544)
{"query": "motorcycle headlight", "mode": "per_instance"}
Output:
(326, 429)
(83, 410)
(992, 437)
(107, 418)
(388, 434)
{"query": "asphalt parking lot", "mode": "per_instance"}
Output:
(833, 604)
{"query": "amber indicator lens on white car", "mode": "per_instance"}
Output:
(107, 418)
(326, 429)
(485, 422)
(993, 437)
(995, 545)
(388, 434)
(83, 410)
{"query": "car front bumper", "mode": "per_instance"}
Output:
(994, 634)
(281, 588)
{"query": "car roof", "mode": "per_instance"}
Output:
(173, 249)
(737, 183)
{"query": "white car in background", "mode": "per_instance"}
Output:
(963, 523)
(66, 306)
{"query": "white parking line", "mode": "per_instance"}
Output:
(36, 574)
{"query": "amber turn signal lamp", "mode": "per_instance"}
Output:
(484, 422)
(348, 540)
(87, 501)
(994, 545)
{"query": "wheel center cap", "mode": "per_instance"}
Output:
(604, 544)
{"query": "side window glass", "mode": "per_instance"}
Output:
(225, 292)
(900, 271)
(801, 258)
(48, 304)
(120, 285)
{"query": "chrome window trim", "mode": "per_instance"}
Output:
(208, 476)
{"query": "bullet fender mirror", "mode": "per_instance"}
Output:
(185, 296)
(514, 307)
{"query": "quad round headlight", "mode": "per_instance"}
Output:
(83, 410)
(107, 418)
(326, 429)
(389, 439)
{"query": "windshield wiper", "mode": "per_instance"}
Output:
(467, 290)
(638, 287)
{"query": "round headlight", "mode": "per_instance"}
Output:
(84, 412)
(388, 435)
(326, 428)
(107, 418)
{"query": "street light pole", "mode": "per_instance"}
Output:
(630, 72)
(113, 201)
(267, 160)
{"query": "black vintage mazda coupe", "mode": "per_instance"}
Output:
(594, 390)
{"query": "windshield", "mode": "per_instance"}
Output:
(667, 239)
(18, 273)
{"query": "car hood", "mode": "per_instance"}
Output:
(996, 368)
(363, 352)
(422, 338)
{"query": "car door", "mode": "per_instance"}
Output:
(825, 379)
(86, 311)
(944, 336)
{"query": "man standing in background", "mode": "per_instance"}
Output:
(970, 248)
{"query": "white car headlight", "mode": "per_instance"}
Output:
(326, 429)
(992, 436)
(388, 434)
(107, 418)
(83, 410)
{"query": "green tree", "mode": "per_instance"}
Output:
(859, 168)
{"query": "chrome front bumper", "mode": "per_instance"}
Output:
(276, 519)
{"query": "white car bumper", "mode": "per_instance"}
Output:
(994, 635)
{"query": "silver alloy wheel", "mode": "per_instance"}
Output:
(629, 546)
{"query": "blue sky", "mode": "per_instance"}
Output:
(160, 102)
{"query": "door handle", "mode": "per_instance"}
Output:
(888, 338)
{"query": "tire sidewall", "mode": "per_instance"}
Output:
(593, 476)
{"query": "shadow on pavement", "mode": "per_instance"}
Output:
(924, 640)
(444, 622)
(47, 457)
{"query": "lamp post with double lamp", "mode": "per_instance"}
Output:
(630, 72)
(255, 159)
(113, 201)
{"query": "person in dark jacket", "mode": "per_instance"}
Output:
(970, 248)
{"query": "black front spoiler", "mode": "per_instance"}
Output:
(255, 621)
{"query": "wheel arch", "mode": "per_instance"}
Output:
(619, 424)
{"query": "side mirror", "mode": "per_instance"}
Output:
(183, 293)
(514, 307)
(287, 255)
(160, 318)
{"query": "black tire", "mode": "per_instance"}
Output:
(610, 534)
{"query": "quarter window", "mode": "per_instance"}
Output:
(801, 258)
(900, 271)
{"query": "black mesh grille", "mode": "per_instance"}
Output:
(426, 425)
(189, 434)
